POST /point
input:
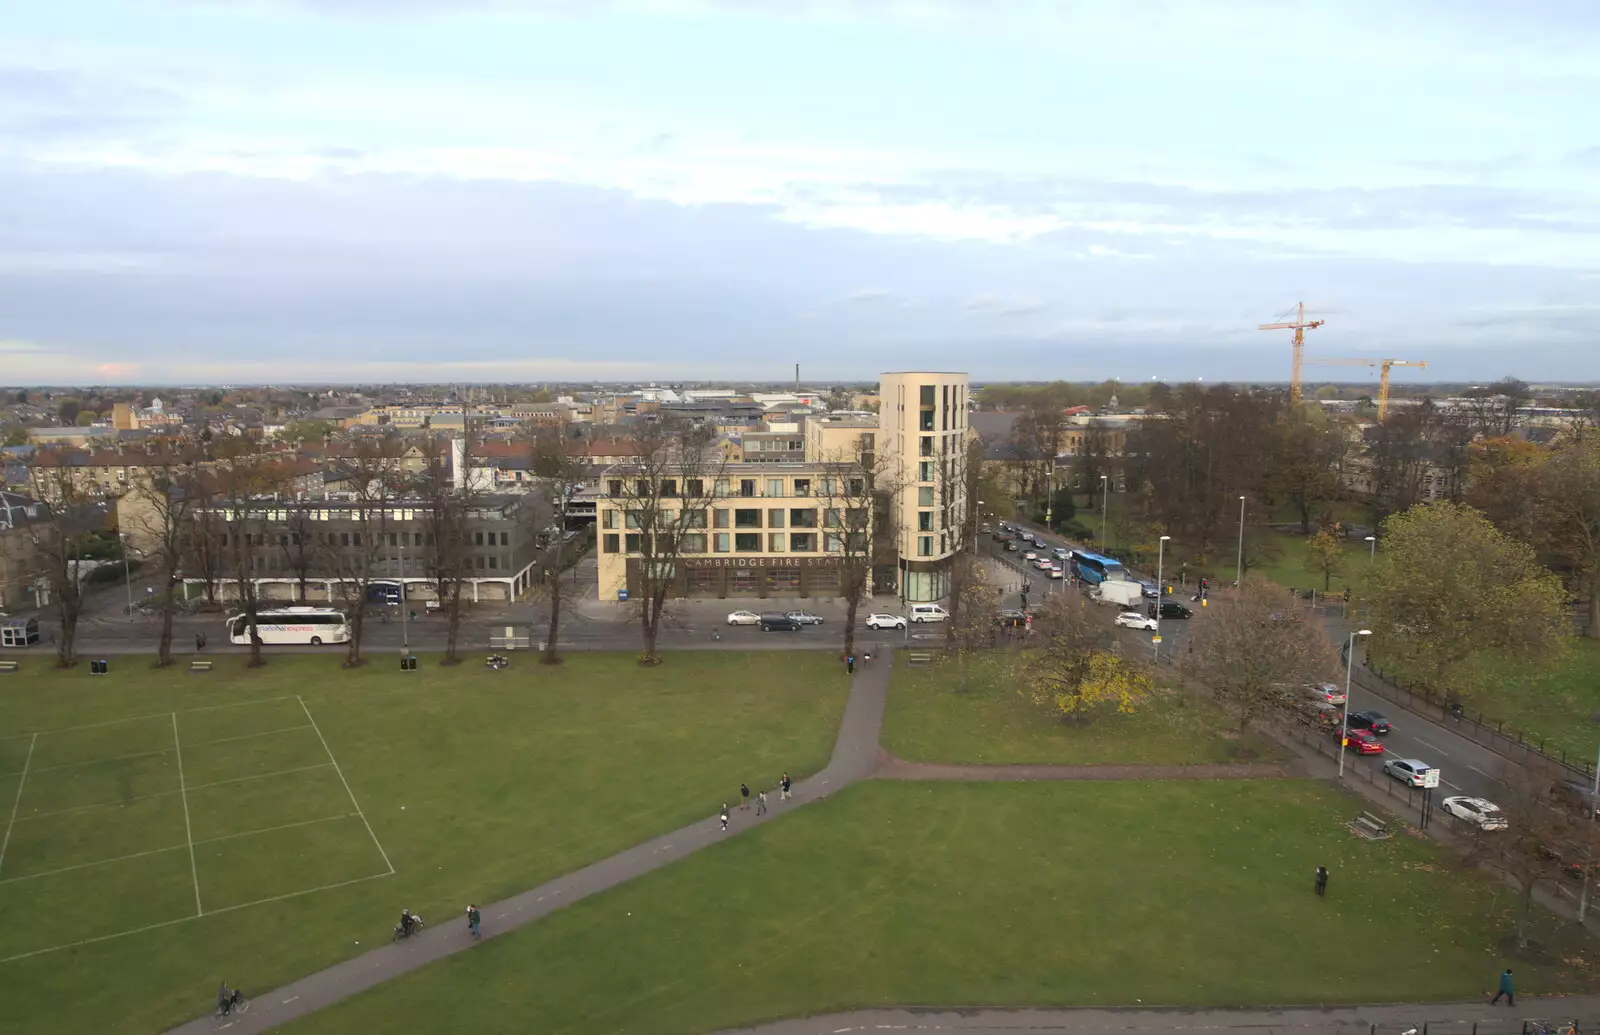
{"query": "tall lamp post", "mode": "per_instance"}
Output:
(1050, 499)
(1372, 554)
(1105, 497)
(1238, 564)
(127, 573)
(1161, 594)
(1349, 666)
(405, 630)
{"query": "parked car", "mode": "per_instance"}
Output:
(1409, 771)
(885, 621)
(805, 617)
(1135, 620)
(1371, 721)
(744, 618)
(1171, 609)
(1326, 693)
(1360, 741)
(1485, 815)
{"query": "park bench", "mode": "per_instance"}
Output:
(199, 666)
(919, 658)
(1370, 827)
(9, 666)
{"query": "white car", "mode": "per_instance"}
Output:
(1055, 572)
(1410, 771)
(1485, 815)
(885, 621)
(1030, 556)
(804, 617)
(744, 618)
(1135, 620)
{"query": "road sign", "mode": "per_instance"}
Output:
(1155, 639)
(1430, 778)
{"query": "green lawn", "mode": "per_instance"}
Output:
(476, 784)
(1292, 566)
(1559, 705)
(987, 894)
(931, 719)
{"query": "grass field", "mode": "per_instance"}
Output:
(1558, 705)
(986, 894)
(1292, 566)
(172, 830)
(931, 719)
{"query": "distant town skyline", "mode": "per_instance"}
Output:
(271, 191)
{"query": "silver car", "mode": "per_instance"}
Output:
(804, 617)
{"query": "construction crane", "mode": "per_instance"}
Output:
(1383, 378)
(1299, 326)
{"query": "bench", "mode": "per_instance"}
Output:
(199, 666)
(919, 658)
(9, 666)
(1370, 827)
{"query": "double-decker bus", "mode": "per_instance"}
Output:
(304, 625)
(1094, 568)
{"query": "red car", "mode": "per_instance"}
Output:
(1362, 742)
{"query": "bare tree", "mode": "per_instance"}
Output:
(971, 627)
(958, 510)
(69, 520)
(1254, 650)
(854, 491)
(667, 493)
(1545, 833)
(448, 503)
(298, 544)
(370, 471)
(176, 491)
(1035, 441)
(559, 471)
(244, 483)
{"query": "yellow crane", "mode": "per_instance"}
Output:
(1383, 378)
(1299, 326)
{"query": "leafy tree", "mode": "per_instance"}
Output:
(86, 418)
(1072, 667)
(1572, 499)
(16, 435)
(1450, 589)
(1507, 479)
(67, 408)
(306, 432)
(1303, 462)
(1254, 649)
(1326, 553)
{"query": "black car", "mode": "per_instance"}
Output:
(1170, 609)
(773, 622)
(1370, 720)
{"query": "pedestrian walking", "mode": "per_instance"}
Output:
(1506, 989)
(1322, 881)
(784, 783)
(761, 803)
(850, 665)
(199, 642)
(744, 796)
(473, 919)
(724, 817)
(867, 657)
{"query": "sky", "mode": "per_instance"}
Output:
(198, 191)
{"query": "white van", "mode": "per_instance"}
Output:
(928, 613)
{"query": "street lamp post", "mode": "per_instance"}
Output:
(1050, 499)
(1105, 497)
(405, 630)
(1349, 666)
(1238, 564)
(1161, 594)
(127, 572)
(1372, 554)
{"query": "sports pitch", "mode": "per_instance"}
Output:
(203, 811)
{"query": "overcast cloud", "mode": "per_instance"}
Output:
(236, 190)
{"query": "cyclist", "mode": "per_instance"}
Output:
(228, 999)
(408, 923)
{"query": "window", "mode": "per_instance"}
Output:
(924, 521)
(829, 484)
(641, 487)
(633, 542)
(925, 496)
(802, 519)
(747, 487)
(669, 487)
(480, 563)
(722, 486)
(831, 517)
(505, 538)
(631, 519)
(774, 542)
(926, 422)
(747, 542)
(747, 518)
(694, 542)
(477, 538)
(775, 517)
(692, 519)
(925, 471)
(694, 488)
(927, 447)
(344, 538)
(394, 539)
(720, 517)
(802, 542)
(927, 395)
(833, 542)
(802, 486)
(774, 486)
(856, 487)
(924, 546)
(610, 543)
(720, 542)
(614, 487)
(494, 562)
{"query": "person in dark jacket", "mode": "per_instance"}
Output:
(1322, 881)
(1506, 989)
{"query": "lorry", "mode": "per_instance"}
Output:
(1123, 593)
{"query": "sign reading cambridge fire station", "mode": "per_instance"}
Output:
(760, 562)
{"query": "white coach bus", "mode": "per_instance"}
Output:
(304, 625)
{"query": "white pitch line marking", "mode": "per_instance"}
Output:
(347, 790)
(17, 801)
(188, 830)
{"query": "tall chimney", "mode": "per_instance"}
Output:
(797, 379)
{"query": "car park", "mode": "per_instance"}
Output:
(1326, 693)
(885, 621)
(1485, 815)
(1360, 741)
(744, 618)
(1375, 722)
(1135, 620)
(805, 617)
(1412, 772)
(775, 621)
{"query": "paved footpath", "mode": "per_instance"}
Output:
(855, 757)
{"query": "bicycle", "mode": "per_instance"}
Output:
(1541, 1028)
(236, 1003)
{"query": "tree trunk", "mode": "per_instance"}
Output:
(69, 634)
(1593, 631)
(358, 616)
(164, 642)
(452, 624)
(1525, 912)
(650, 619)
(1305, 517)
(852, 608)
(550, 657)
